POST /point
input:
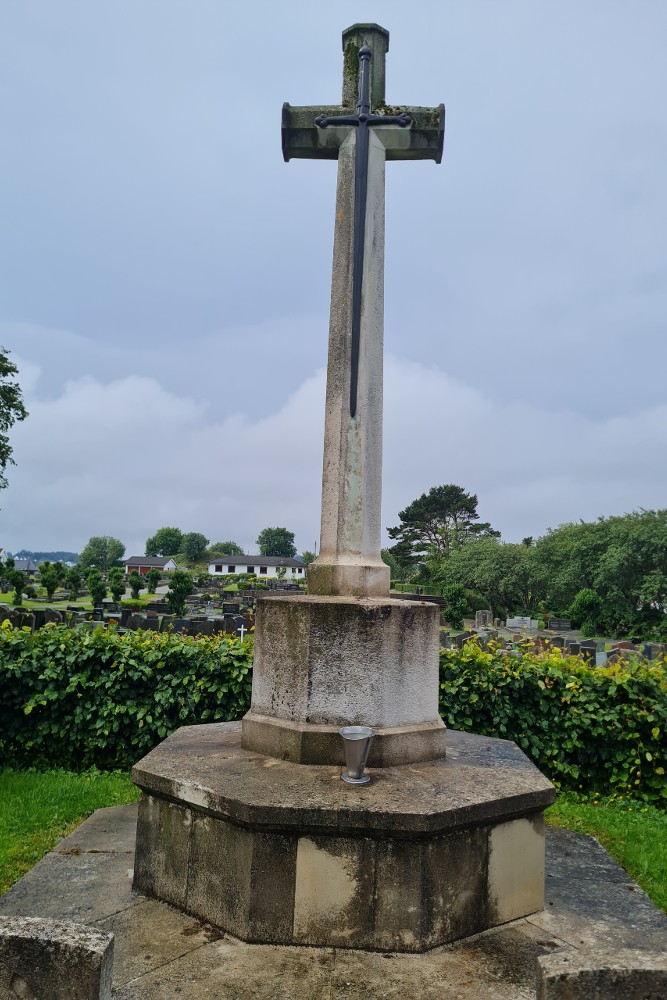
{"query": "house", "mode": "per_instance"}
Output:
(266, 567)
(27, 566)
(142, 564)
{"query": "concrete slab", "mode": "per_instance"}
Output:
(161, 954)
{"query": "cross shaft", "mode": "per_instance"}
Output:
(362, 134)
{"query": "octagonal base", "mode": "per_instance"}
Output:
(284, 853)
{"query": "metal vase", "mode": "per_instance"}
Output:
(357, 743)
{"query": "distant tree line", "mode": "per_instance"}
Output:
(609, 576)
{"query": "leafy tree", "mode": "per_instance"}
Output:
(101, 552)
(152, 578)
(439, 521)
(193, 546)
(136, 582)
(17, 581)
(225, 549)
(276, 542)
(165, 542)
(456, 604)
(117, 582)
(73, 581)
(307, 557)
(180, 586)
(50, 578)
(402, 564)
(506, 575)
(586, 611)
(97, 587)
(12, 410)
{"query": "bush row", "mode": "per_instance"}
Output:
(600, 729)
(76, 699)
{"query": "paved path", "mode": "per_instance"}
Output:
(162, 954)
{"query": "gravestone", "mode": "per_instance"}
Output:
(483, 619)
(236, 824)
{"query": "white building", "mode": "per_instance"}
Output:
(263, 567)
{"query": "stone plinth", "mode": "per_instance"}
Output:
(277, 852)
(326, 662)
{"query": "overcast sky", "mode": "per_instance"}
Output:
(164, 276)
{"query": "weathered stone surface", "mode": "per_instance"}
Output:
(330, 662)
(52, 960)
(516, 869)
(277, 852)
(497, 965)
(588, 899)
(480, 780)
(580, 975)
(69, 887)
(149, 935)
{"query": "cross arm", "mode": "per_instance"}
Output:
(302, 139)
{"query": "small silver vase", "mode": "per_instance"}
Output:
(357, 743)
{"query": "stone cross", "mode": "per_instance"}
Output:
(361, 133)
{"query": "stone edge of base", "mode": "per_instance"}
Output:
(312, 743)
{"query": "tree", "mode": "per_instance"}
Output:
(49, 578)
(117, 582)
(97, 588)
(402, 564)
(506, 575)
(152, 579)
(17, 581)
(276, 542)
(456, 604)
(586, 611)
(73, 582)
(165, 542)
(136, 582)
(101, 552)
(12, 410)
(225, 549)
(193, 546)
(439, 521)
(307, 557)
(180, 587)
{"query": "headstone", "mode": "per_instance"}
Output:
(587, 650)
(560, 624)
(558, 641)
(182, 625)
(52, 960)
(483, 619)
(519, 621)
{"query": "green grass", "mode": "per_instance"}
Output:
(37, 808)
(634, 834)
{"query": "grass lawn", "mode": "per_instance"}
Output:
(37, 808)
(634, 833)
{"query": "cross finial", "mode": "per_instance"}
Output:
(356, 37)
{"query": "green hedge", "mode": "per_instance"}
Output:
(600, 729)
(75, 699)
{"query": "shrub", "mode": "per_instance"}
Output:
(601, 729)
(78, 699)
